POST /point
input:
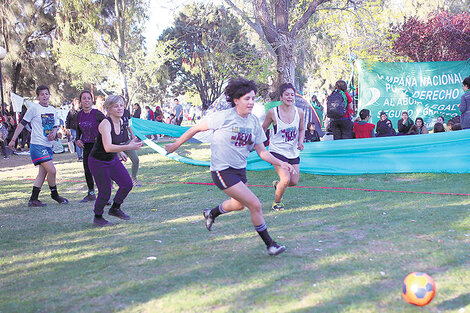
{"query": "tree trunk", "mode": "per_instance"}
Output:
(16, 76)
(120, 7)
(285, 61)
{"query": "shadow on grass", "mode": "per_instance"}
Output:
(455, 303)
(338, 245)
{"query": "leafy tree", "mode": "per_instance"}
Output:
(338, 38)
(280, 24)
(444, 36)
(27, 32)
(101, 41)
(208, 48)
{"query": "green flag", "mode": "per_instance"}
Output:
(423, 89)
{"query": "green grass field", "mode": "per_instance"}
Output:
(347, 251)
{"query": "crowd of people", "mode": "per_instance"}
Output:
(347, 126)
(102, 137)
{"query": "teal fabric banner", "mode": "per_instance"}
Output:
(424, 89)
(433, 153)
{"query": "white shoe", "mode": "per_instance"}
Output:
(275, 249)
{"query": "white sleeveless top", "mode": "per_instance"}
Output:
(285, 136)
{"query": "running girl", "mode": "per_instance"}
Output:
(236, 132)
(286, 140)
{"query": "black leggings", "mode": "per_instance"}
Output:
(89, 178)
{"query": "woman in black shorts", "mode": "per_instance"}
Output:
(236, 133)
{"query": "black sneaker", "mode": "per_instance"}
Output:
(109, 202)
(88, 198)
(209, 219)
(119, 214)
(100, 221)
(275, 249)
(61, 200)
(36, 203)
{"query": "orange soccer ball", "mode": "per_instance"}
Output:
(418, 288)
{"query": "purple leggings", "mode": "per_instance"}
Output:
(105, 171)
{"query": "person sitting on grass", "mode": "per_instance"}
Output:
(439, 128)
(383, 118)
(44, 124)
(385, 129)
(362, 128)
(440, 119)
(311, 134)
(419, 128)
(404, 124)
(236, 132)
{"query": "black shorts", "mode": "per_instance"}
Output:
(228, 177)
(283, 158)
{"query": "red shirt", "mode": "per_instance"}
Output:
(349, 111)
(363, 130)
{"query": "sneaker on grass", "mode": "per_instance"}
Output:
(119, 214)
(61, 200)
(278, 206)
(88, 198)
(209, 219)
(275, 249)
(35, 203)
(100, 221)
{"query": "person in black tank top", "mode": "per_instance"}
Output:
(105, 164)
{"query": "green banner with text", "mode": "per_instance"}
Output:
(423, 89)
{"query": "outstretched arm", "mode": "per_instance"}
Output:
(172, 147)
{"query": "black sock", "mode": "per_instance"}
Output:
(115, 206)
(217, 211)
(263, 233)
(35, 193)
(54, 193)
(99, 216)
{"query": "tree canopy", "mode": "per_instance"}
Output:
(444, 36)
(207, 47)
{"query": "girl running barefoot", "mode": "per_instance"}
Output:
(105, 164)
(235, 132)
(286, 140)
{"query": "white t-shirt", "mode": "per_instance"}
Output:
(43, 120)
(233, 138)
(286, 138)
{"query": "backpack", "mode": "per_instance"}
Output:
(336, 105)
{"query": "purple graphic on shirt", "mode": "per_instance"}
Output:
(241, 136)
(289, 134)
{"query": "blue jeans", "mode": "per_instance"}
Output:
(79, 150)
